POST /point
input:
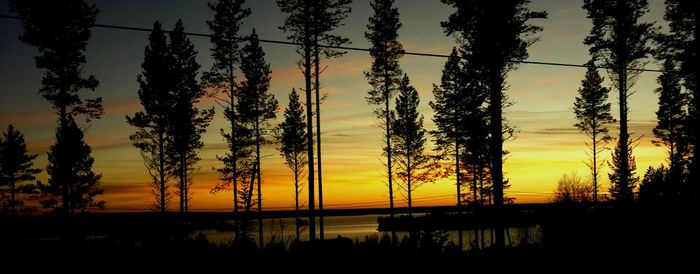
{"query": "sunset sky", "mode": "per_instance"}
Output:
(546, 144)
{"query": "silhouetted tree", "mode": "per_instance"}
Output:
(228, 17)
(187, 122)
(655, 186)
(156, 97)
(72, 184)
(622, 43)
(413, 166)
(623, 193)
(299, 27)
(60, 30)
(672, 116)
(684, 45)
(572, 189)
(327, 16)
(292, 139)
(593, 115)
(257, 105)
(385, 74)
(495, 35)
(460, 118)
(16, 169)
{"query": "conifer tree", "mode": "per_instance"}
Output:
(17, 172)
(187, 122)
(292, 140)
(385, 74)
(593, 115)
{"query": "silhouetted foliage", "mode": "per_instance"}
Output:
(572, 189)
(413, 166)
(221, 78)
(187, 122)
(461, 120)
(72, 185)
(621, 42)
(298, 25)
(258, 105)
(292, 139)
(683, 44)
(385, 74)
(623, 193)
(656, 187)
(672, 116)
(16, 170)
(156, 97)
(495, 35)
(593, 115)
(60, 30)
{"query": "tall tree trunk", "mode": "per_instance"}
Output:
(410, 174)
(495, 108)
(625, 188)
(318, 139)
(12, 193)
(459, 190)
(161, 166)
(257, 160)
(595, 164)
(387, 99)
(309, 120)
(296, 195)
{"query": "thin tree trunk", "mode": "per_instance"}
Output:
(459, 186)
(296, 195)
(309, 120)
(409, 173)
(257, 160)
(387, 99)
(595, 165)
(625, 189)
(161, 164)
(318, 140)
(495, 108)
(12, 193)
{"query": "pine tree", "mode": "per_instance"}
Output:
(327, 16)
(495, 35)
(60, 31)
(683, 44)
(413, 166)
(623, 193)
(63, 56)
(672, 116)
(257, 106)
(299, 26)
(622, 42)
(460, 118)
(593, 115)
(187, 122)
(292, 139)
(151, 136)
(385, 74)
(221, 78)
(16, 169)
(72, 185)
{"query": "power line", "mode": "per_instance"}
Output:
(279, 42)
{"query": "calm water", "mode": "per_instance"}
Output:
(359, 227)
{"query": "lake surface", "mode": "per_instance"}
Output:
(360, 227)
